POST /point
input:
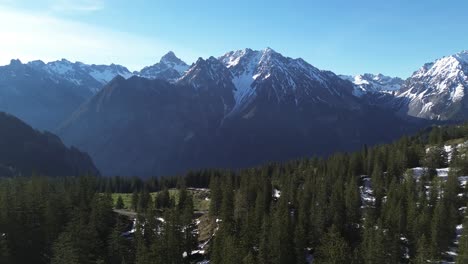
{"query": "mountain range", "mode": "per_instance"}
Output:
(240, 109)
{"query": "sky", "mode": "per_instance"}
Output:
(347, 37)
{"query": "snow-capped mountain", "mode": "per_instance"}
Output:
(437, 90)
(91, 77)
(280, 78)
(241, 109)
(39, 98)
(169, 68)
(373, 83)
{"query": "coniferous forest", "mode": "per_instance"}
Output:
(403, 202)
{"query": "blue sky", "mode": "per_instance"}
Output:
(348, 37)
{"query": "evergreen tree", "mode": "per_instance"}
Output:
(462, 257)
(65, 251)
(333, 249)
(119, 204)
(135, 198)
(423, 251)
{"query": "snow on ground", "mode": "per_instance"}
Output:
(449, 150)
(441, 173)
(276, 193)
(201, 252)
(367, 194)
(368, 199)
(132, 230)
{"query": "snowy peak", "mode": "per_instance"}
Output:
(169, 68)
(446, 67)
(437, 89)
(171, 59)
(373, 83)
(105, 73)
(91, 77)
(279, 77)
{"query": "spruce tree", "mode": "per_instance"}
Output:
(462, 257)
(423, 251)
(119, 204)
(135, 198)
(333, 248)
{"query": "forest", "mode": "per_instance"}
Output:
(403, 202)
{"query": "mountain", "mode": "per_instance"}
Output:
(373, 83)
(37, 97)
(141, 127)
(238, 110)
(89, 77)
(259, 75)
(25, 151)
(437, 90)
(169, 68)
(44, 94)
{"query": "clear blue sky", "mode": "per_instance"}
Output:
(348, 37)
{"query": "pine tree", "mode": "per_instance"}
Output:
(216, 196)
(282, 244)
(118, 246)
(135, 198)
(440, 232)
(373, 244)
(353, 209)
(190, 238)
(462, 257)
(423, 251)
(163, 199)
(300, 243)
(65, 251)
(119, 204)
(333, 248)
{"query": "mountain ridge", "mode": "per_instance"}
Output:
(155, 127)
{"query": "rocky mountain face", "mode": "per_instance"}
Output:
(241, 109)
(89, 77)
(36, 97)
(268, 75)
(169, 68)
(373, 83)
(45, 94)
(437, 90)
(25, 151)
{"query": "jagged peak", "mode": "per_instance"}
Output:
(445, 67)
(171, 58)
(15, 62)
(63, 60)
(200, 60)
(462, 56)
(269, 50)
(36, 63)
(211, 62)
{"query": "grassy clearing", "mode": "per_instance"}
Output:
(200, 202)
(455, 141)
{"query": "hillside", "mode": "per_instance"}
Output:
(25, 151)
